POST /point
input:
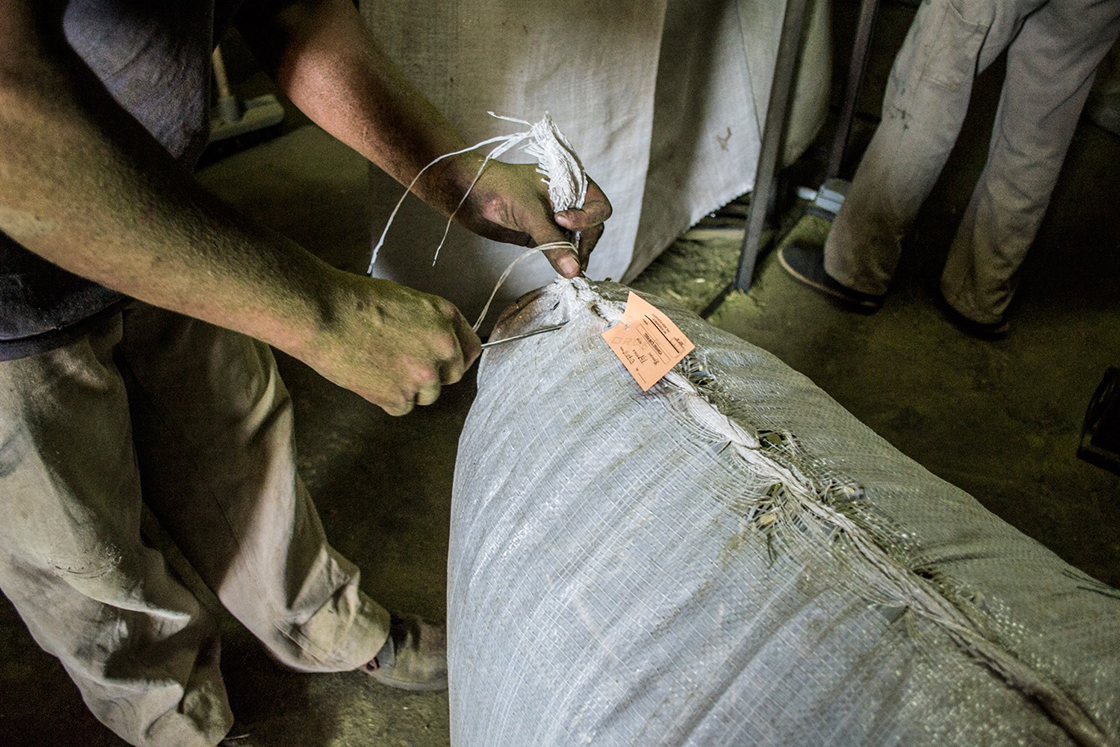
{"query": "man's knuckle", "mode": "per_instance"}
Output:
(502, 212)
(448, 348)
(424, 374)
(447, 309)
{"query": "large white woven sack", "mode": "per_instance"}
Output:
(733, 559)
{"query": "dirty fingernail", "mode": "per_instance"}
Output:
(569, 265)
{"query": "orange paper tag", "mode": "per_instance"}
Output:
(647, 342)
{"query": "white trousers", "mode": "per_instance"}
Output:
(1053, 50)
(194, 421)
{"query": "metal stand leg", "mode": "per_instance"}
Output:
(788, 47)
(776, 111)
(860, 49)
(826, 201)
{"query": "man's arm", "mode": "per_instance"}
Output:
(322, 56)
(83, 185)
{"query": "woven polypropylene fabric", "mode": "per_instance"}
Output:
(623, 570)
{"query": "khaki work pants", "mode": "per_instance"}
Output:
(1053, 50)
(194, 421)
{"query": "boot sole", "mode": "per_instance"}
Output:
(861, 304)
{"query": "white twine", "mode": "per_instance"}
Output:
(509, 269)
(557, 162)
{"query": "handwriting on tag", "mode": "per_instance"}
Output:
(647, 342)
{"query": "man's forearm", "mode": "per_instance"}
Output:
(324, 59)
(85, 186)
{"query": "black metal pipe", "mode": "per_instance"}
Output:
(776, 110)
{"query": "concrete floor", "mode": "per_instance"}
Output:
(999, 419)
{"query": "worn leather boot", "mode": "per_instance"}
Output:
(414, 657)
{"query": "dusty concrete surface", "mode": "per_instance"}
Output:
(999, 419)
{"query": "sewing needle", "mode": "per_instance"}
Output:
(523, 335)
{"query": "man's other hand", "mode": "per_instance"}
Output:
(510, 204)
(392, 345)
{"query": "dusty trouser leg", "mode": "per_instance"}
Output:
(217, 458)
(924, 106)
(139, 646)
(1050, 68)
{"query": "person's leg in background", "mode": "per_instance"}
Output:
(924, 106)
(1050, 68)
(139, 646)
(215, 444)
(1103, 105)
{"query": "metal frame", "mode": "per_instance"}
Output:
(776, 111)
(785, 67)
(861, 49)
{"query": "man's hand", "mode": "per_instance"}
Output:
(392, 345)
(510, 203)
(322, 56)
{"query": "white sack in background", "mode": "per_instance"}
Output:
(733, 559)
(662, 99)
